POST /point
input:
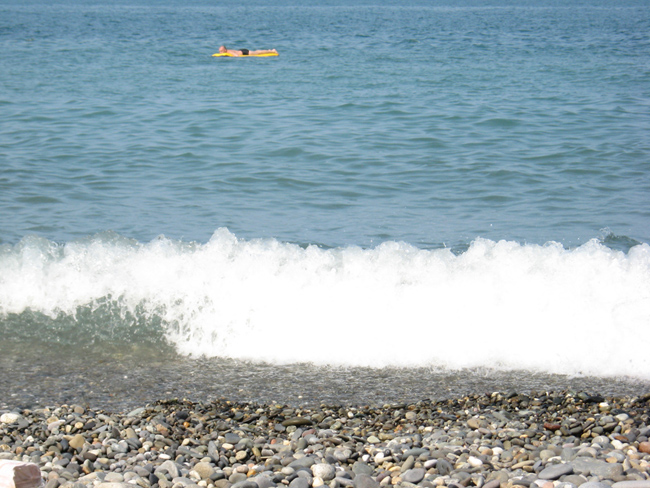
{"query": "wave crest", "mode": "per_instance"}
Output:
(499, 304)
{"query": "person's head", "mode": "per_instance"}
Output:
(223, 49)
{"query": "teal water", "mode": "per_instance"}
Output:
(426, 122)
(423, 186)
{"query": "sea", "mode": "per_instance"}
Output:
(416, 199)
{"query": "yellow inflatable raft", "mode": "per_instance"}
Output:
(228, 55)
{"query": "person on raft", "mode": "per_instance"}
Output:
(245, 52)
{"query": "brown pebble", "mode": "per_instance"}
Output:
(644, 447)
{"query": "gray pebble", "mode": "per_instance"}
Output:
(595, 484)
(414, 475)
(408, 464)
(170, 467)
(361, 467)
(324, 471)
(492, 484)
(554, 471)
(245, 484)
(632, 484)
(299, 482)
(365, 481)
(344, 481)
(444, 467)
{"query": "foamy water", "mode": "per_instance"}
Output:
(498, 305)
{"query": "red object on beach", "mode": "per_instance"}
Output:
(15, 474)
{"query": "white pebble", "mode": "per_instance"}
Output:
(9, 418)
(474, 462)
(430, 463)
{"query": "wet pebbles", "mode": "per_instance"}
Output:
(538, 440)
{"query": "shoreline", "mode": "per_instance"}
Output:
(498, 440)
(120, 381)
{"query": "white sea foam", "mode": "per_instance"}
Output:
(499, 304)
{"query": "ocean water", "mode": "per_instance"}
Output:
(414, 199)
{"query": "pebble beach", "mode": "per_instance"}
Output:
(560, 439)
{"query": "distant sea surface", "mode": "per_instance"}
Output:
(412, 200)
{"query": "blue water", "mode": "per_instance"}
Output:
(427, 123)
(474, 166)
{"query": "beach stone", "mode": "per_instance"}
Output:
(342, 455)
(616, 456)
(575, 479)
(186, 451)
(213, 450)
(299, 482)
(303, 473)
(644, 447)
(408, 464)
(554, 471)
(361, 467)
(169, 466)
(305, 462)
(324, 471)
(365, 481)
(346, 482)
(17, 473)
(587, 452)
(568, 454)
(10, 418)
(596, 467)
(181, 481)
(415, 452)
(444, 467)
(204, 470)
(141, 471)
(237, 477)
(608, 470)
(113, 477)
(77, 442)
(245, 484)
(564, 484)
(414, 475)
(632, 484)
(492, 484)
(546, 454)
(594, 484)
(263, 481)
(297, 421)
(232, 438)
(474, 462)
(136, 412)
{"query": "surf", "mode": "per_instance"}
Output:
(502, 305)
